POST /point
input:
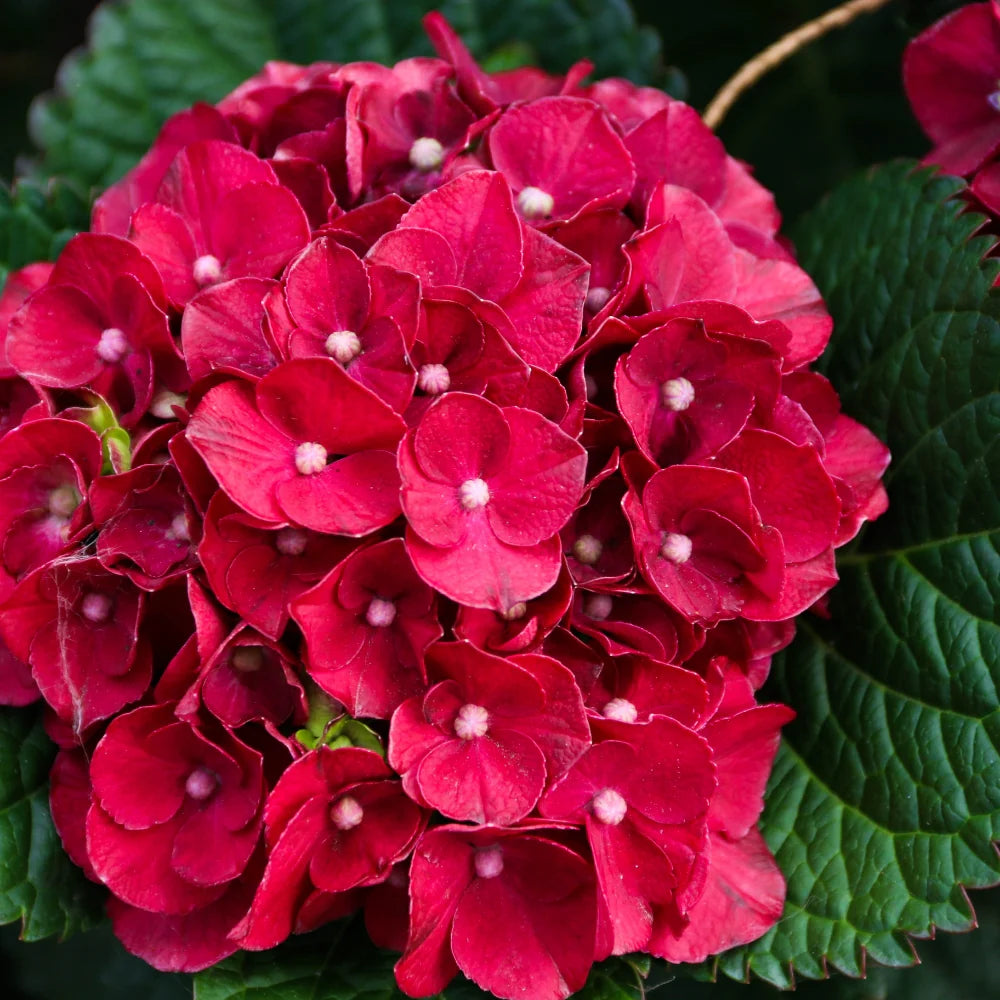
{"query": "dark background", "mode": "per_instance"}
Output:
(829, 111)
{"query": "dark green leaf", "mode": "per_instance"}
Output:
(318, 966)
(35, 222)
(38, 884)
(146, 59)
(885, 799)
(150, 58)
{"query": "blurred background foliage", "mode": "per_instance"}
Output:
(829, 111)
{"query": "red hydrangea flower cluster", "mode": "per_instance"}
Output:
(405, 485)
(952, 78)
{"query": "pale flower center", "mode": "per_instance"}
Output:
(535, 203)
(677, 394)
(426, 154)
(515, 611)
(608, 807)
(201, 784)
(598, 607)
(247, 659)
(621, 710)
(343, 346)
(96, 608)
(380, 613)
(178, 530)
(434, 379)
(291, 541)
(346, 813)
(587, 549)
(597, 298)
(471, 722)
(63, 500)
(473, 494)
(207, 270)
(994, 98)
(310, 458)
(112, 346)
(164, 402)
(489, 861)
(676, 548)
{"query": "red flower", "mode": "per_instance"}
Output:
(176, 815)
(257, 569)
(701, 544)
(952, 78)
(336, 820)
(643, 794)
(366, 626)
(490, 736)
(77, 625)
(219, 213)
(512, 909)
(308, 444)
(485, 490)
(98, 322)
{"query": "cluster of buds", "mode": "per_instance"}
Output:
(405, 485)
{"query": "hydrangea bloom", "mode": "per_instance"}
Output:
(405, 486)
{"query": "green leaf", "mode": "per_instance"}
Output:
(885, 799)
(150, 58)
(340, 963)
(36, 220)
(146, 59)
(38, 884)
(318, 966)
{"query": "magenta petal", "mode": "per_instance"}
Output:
(475, 214)
(182, 943)
(150, 884)
(353, 496)
(257, 229)
(163, 236)
(513, 942)
(222, 328)
(541, 483)
(327, 288)
(196, 862)
(546, 307)
(418, 251)
(272, 916)
(461, 437)
(314, 399)
(483, 572)
(243, 451)
(494, 779)
(53, 339)
(743, 898)
(566, 147)
(439, 874)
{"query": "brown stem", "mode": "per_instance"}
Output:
(777, 53)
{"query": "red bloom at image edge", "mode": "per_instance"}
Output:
(405, 487)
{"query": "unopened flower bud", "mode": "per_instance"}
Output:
(535, 203)
(346, 813)
(472, 721)
(426, 154)
(380, 613)
(207, 270)
(474, 493)
(343, 346)
(112, 346)
(310, 458)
